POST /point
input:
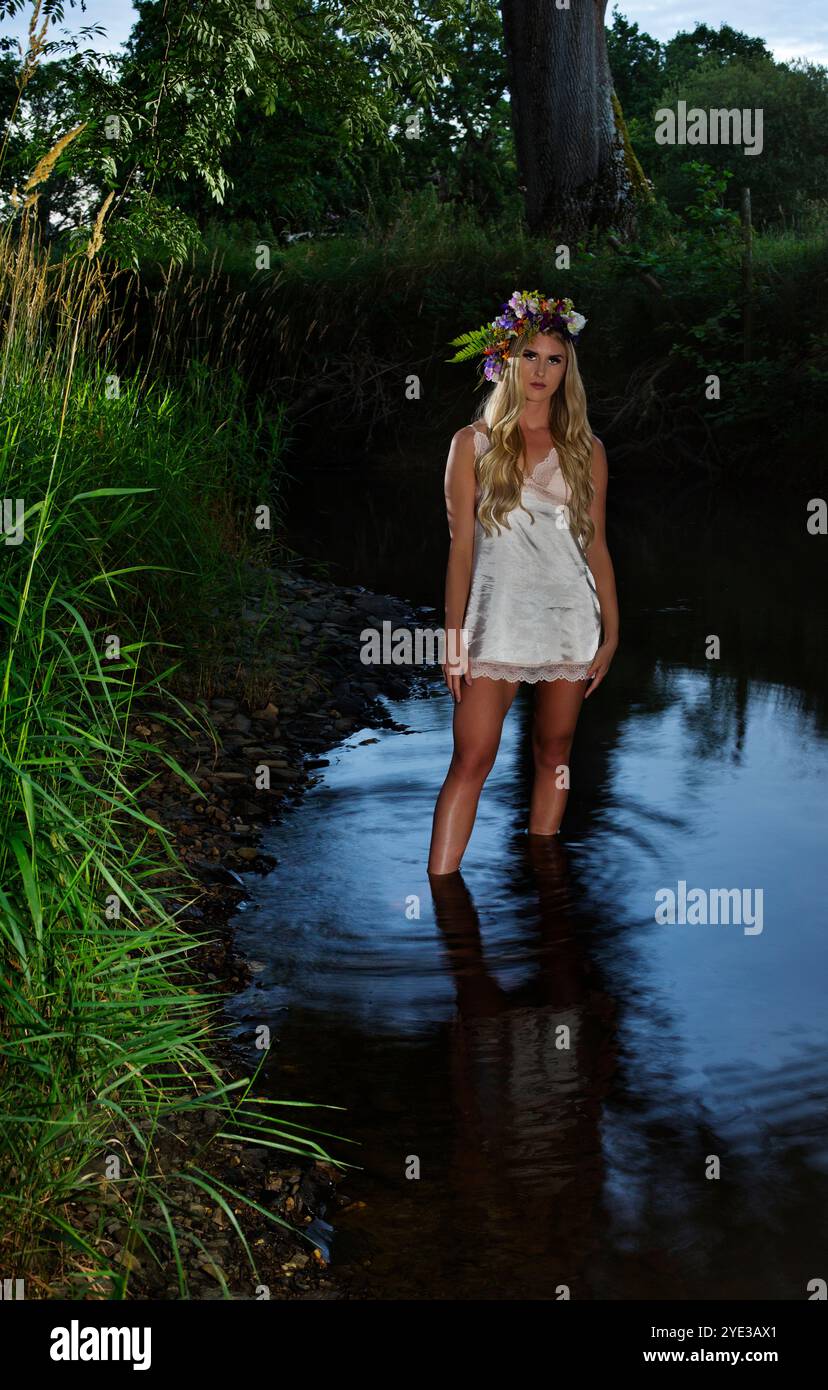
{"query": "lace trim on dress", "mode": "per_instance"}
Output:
(479, 437)
(535, 486)
(530, 479)
(505, 671)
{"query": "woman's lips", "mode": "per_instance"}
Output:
(538, 385)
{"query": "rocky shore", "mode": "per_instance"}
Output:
(310, 694)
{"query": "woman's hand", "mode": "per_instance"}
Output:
(456, 668)
(600, 664)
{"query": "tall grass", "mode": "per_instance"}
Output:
(133, 498)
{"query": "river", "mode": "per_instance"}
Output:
(548, 1091)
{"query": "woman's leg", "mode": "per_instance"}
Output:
(557, 706)
(478, 724)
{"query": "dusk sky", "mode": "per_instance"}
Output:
(790, 31)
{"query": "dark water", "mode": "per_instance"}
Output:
(565, 1070)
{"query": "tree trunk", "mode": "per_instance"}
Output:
(570, 152)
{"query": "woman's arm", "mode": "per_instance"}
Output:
(600, 563)
(459, 490)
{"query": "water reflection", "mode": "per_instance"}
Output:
(562, 1067)
(529, 1066)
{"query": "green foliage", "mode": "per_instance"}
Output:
(707, 212)
(470, 344)
(150, 230)
(636, 62)
(227, 113)
(725, 70)
(722, 47)
(431, 272)
(792, 170)
(104, 1032)
(267, 62)
(159, 126)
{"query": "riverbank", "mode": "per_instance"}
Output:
(312, 699)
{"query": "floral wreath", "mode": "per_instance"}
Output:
(526, 311)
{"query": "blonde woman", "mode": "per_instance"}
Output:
(530, 582)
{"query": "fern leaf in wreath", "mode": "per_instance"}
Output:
(470, 344)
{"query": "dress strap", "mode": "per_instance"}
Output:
(481, 441)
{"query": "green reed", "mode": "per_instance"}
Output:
(136, 501)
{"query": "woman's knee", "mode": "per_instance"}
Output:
(552, 750)
(473, 765)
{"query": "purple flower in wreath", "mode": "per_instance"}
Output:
(525, 311)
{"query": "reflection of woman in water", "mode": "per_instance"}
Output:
(530, 1067)
(530, 584)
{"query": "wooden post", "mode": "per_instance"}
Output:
(747, 277)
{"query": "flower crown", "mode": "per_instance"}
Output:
(526, 311)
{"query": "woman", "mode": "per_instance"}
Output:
(530, 582)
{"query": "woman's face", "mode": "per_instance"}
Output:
(542, 366)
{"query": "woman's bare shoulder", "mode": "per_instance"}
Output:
(461, 465)
(466, 436)
(469, 431)
(463, 443)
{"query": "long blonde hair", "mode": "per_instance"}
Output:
(498, 470)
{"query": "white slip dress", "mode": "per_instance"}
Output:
(532, 613)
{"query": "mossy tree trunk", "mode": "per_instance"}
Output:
(577, 168)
